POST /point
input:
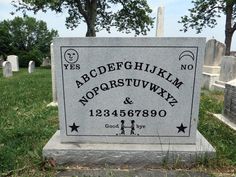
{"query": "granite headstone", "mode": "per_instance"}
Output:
(228, 69)
(31, 67)
(114, 90)
(131, 101)
(214, 52)
(14, 62)
(46, 62)
(7, 69)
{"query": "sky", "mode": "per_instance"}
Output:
(174, 9)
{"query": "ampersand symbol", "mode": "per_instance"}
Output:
(128, 101)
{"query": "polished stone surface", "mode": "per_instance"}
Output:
(128, 90)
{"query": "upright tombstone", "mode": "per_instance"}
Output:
(31, 67)
(7, 69)
(46, 62)
(127, 100)
(228, 69)
(214, 52)
(13, 59)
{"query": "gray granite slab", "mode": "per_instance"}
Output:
(132, 155)
(128, 90)
(108, 172)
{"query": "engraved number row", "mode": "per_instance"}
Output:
(126, 113)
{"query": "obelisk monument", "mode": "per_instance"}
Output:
(160, 22)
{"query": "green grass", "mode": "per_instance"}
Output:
(220, 135)
(26, 124)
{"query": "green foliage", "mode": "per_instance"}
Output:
(26, 123)
(126, 16)
(34, 54)
(27, 38)
(205, 14)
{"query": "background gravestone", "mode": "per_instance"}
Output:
(7, 69)
(14, 62)
(31, 67)
(46, 62)
(228, 68)
(214, 52)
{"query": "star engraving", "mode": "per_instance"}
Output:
(181, 128)
(74, 127)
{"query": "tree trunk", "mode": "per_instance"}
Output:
(228, 41)
(90, 31)
(228, 27)
(92, 14)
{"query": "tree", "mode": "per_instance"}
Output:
(26, 37)
(97, 14)
(5, 39)
(205, 12)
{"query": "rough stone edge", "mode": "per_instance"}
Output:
(131, 155)
(225, 120)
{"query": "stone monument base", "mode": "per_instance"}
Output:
(208, 80)
(127, 155)
(226, 120)
(211, 69)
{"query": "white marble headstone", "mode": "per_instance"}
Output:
(128, 90)
(7, 69)
(31, 67)
(14, 62)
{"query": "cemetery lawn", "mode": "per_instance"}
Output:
(26, 124)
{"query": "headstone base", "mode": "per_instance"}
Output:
(208, 80)
(211, 69)
(128, 155)
(226, 121)
(219, 86)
